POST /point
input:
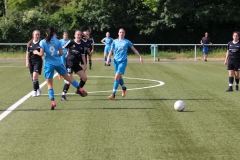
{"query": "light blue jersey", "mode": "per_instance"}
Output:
(108, 41)
(63, 57)
(120, 48)
(51, 51)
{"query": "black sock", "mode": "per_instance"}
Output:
(35, 85)
(231, 79)
(90, 63)
(237, 81)
(82, 83)
(52, 99)
(65, 88)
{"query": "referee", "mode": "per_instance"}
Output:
(232, 61)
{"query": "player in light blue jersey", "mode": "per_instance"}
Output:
(107, 41)
(51, 48)
(63, 41)
(120, 47)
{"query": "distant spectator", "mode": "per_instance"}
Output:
(205, 40)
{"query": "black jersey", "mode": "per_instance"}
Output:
(33, 57)
(234, 50)
(76, 50)
(206, 40)
(87, 45)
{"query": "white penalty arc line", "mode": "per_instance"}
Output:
(160, 83)
(15, 105)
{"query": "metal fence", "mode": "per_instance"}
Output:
(154, 46)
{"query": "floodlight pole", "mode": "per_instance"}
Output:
(5, 9)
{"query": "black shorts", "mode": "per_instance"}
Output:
(75, 67)
(35, 67)
(233, 65)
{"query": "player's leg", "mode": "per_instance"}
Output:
(122, 68)
(236, 73)
(105, 58)
(230, 69)
(90, 61)
(48, 74)
(83, 80)
(62, 70)
(65, 89)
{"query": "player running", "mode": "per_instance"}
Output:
(51, 48)
(232, 61)
(75, 55)
(34, 61)
(120, 47)
(107, 41)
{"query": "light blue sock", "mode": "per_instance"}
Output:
(75, 84)
(115, 86)
(121, 82)
(51, 93)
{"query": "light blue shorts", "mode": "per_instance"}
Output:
(49, 70)
(107, 49)
(205, 49)
(120, 66)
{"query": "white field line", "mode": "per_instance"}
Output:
(15, 105)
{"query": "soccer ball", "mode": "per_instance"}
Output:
(179, 105)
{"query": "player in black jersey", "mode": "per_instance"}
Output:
(232, 61)
(89, 42)
(34, 61)
(75, 55)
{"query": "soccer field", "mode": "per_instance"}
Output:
(143, 125)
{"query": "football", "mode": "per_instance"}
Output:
(179, 105)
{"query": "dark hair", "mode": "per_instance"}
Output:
(237, 33)
(50, 33)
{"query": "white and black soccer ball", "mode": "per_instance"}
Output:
(179, 105)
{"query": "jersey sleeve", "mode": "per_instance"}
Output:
(113, 45)
(67, 45)
(129, 44)
(41, 44)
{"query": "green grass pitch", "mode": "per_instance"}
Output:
(143, 125)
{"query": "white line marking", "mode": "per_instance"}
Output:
(15, 105)
(160, 83)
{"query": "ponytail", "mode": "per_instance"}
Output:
(50, 33)
(29, 42)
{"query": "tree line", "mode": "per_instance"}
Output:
(145, 21)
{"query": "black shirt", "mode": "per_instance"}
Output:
(76, 50)
(234, 50)
(206, 40)
(33, 57)
(87, 45)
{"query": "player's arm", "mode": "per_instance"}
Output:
(84, 62)
(226, 57)
(109, 55)
(103, 41)
(201, 42)
(27, 59)
(137, 53)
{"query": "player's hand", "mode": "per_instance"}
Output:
(35, 52)
(141, 60)
(225, 62)
(27, 65)
(84, 67)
